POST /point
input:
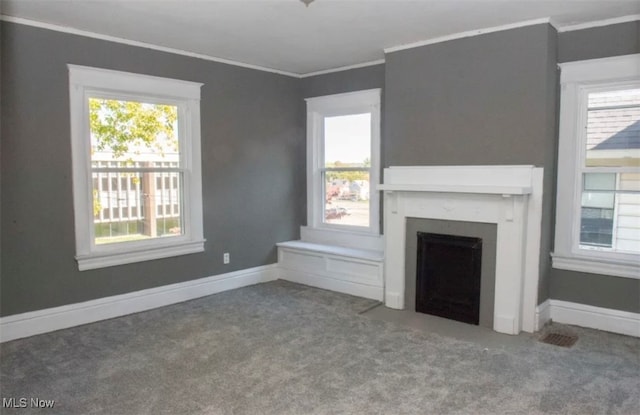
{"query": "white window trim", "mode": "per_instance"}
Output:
(335, 105)
(85, 81)
(576, 80)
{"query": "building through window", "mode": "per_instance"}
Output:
(610, 197)
(343, 136)
(598, 200)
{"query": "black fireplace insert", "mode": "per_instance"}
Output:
(448, 276)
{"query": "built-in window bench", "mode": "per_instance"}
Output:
(347, 270)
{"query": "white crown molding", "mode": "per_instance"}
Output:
(469, 33)
(599, 23)
(85, 33)
(343, 68)
(51, 319)
(460, 35)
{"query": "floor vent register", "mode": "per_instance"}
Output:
(561, 340)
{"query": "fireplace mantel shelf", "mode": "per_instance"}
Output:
(477, 189)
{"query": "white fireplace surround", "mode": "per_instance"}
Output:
(509, 196)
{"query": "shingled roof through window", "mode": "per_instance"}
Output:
(614, 120)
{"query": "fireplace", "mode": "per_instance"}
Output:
(448, 276)
(510, 197)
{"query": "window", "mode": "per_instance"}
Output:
(136, 167)
(343, 152)
(598, 201)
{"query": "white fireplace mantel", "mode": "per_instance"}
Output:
(508, 196)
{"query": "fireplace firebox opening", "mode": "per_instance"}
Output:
(448, 276)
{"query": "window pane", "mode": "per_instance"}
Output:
(347, 197)
(136, 213)
(129, 132)
(600, 181)
(613, 129)
(596, 228)
(347, 141)
(610, 214)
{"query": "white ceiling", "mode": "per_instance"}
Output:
(287, 36)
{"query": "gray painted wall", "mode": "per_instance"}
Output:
(485, 231)
(358, 79)
(599, 42)
(492, 99)
(487, 99)
(1, 59)
(253, 168)
(597, 290)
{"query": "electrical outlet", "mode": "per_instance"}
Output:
(225, 258)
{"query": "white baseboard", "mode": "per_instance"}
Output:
(51, 319)
(341, 286)
(615, 321)
(543, 315)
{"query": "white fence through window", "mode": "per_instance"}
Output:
(137, 202)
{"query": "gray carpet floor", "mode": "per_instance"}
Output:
(283, 348)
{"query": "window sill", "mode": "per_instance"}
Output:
(597, 266)
(94, 261)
